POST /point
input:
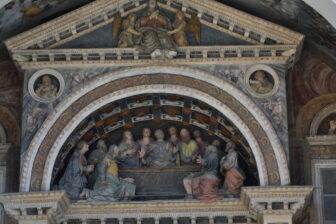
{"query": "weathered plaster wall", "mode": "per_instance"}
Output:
(310, 78)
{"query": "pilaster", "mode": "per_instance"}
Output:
(36, 208)
(275, 205)
(262, 205)
(4, 147)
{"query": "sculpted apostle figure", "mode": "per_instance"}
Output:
(173, 143)
(108, 186)
(200, 143)
(204, 185)
(154, 27)
(159, 154)
(144, 143)
(188, 148)
(96, 156)
(234, 177)
(74, 180)
(46, 89)
(128, 155)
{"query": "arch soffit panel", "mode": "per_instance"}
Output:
(271, 143)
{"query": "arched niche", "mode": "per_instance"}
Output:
(320, 123)
(239, 109)
(313, 113)
(158, 111)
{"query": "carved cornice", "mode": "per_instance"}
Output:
(318, 140)
(130, 57)
(276, 201)
(101, 12)
(36, 206)
(293, 198)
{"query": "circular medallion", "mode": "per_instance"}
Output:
(46, 85)
(261, 81)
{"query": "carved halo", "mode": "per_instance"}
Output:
(271, 78)
(57, 83)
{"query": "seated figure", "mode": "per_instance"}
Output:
(173, 144)
(188, 148)
(96, 156)
(143, 144)
(74, 180)
(108, 186)
(159, 153)
(234, 176)
(204, 185)
(128, 154)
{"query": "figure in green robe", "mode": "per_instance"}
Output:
(159, 154)
(95, 158)
(108, 186)
(128, 153)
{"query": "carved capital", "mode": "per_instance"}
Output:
(40, 207)
(276, 204)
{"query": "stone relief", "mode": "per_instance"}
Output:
(261, 81)
(46, 85)
(275, 110)
(154, 33)
(97, 179)
(234, 176)
(332, 127)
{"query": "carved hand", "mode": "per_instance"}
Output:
(131, 152)
(90, 168)
(129, 180)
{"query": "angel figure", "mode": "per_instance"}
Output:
(178, 32)
(128, 37)
(181, 26)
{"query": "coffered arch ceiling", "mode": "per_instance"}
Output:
(157, 111)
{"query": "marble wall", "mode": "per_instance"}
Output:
(34, 112)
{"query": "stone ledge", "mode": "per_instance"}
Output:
(255, 203)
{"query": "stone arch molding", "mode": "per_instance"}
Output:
(40, 157)
(320, 116)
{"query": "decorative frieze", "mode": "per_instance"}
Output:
(256, 205)
(128, 56)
